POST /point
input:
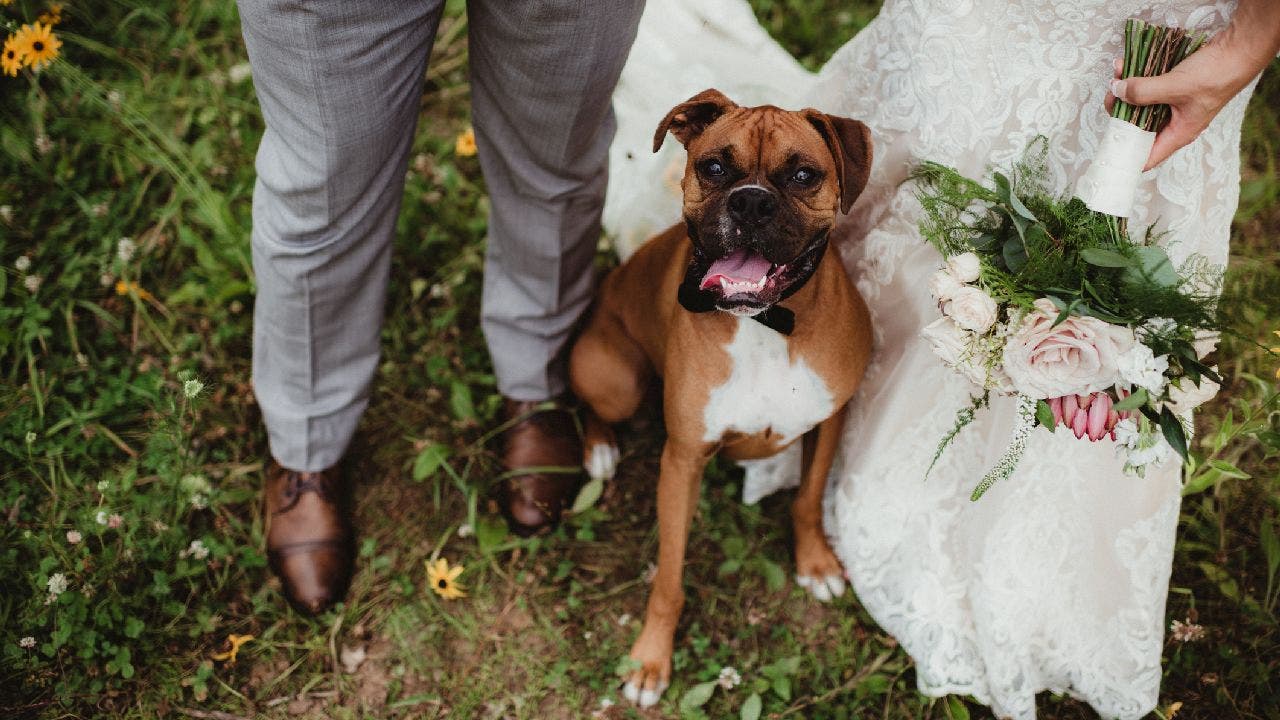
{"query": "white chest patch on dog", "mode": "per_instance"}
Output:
(765, 389)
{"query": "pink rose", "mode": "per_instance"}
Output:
(1077, 357)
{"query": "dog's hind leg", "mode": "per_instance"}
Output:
(609, 372)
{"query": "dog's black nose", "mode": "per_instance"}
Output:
(752, 205)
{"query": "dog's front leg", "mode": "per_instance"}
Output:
(817, 568)
(679, 479)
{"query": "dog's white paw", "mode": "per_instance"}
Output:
(823, 589)
(602, 462)
(641, 696)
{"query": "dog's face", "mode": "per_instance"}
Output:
(762, 187)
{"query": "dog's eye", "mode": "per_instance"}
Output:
(804, 176)
(713, 168)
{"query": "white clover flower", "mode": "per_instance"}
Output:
(966, 267)
(124, 249)
(23, 263)
(103, 486)
(57, 584)
(32, 283)
(192, 388)
(115, 98)
(199, 501)
(1139, 366)
(43, 144)
(465, 530)
(27, 642)
(1185, 632)
(101, 517)
(729, 678)
(196, 549)
(31, 436)
(106, 280)
(115, 521)
(74, 537)
(6, 213)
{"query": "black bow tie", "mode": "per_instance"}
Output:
(777, 318)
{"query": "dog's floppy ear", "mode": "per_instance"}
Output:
(688, 119)
(850, 145)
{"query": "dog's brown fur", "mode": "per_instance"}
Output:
(639, 330)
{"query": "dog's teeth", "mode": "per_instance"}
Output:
(724, 283)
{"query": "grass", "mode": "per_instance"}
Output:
(147, 131)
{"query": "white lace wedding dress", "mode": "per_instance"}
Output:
(1056, 579)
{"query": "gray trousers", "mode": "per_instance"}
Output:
(340, 83)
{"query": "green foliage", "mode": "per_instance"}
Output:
(1036, 244)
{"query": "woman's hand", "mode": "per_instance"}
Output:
(1200, 86)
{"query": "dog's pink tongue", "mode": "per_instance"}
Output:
(741, 265)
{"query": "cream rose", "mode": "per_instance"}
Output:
(956, 347)
(1077, 357)
(942, 285)
(965, 267)
(972, 309)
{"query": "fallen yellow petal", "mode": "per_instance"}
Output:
(234, 642)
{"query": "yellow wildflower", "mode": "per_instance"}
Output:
(11, 58)
(444, 579)
(233, 648)
(5, 3)
(37, 45)
(1276, 350)
(128, 287)
(465, 145)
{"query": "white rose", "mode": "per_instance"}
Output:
(1077, 357)
(965, 267)
(972, 309)
(943, 285)
(956, 348)
(1139, 366)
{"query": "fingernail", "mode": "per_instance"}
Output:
(1117, 88)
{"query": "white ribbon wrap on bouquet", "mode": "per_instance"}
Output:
(1108, 185)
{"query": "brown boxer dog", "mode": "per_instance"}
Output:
(701, 306)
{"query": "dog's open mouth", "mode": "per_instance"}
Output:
(743, 278)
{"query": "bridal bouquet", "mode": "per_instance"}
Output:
(1055, 301)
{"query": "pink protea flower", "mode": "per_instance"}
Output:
(1091, 415)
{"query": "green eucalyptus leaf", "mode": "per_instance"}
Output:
(1138, 399)
(1103, 257)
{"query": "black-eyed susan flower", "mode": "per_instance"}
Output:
(465, 144)
(233, 648)
(444, 579)
(11, 58)
(38, 45)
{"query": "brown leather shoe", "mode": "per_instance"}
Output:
(309, 536)
(546, 438)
